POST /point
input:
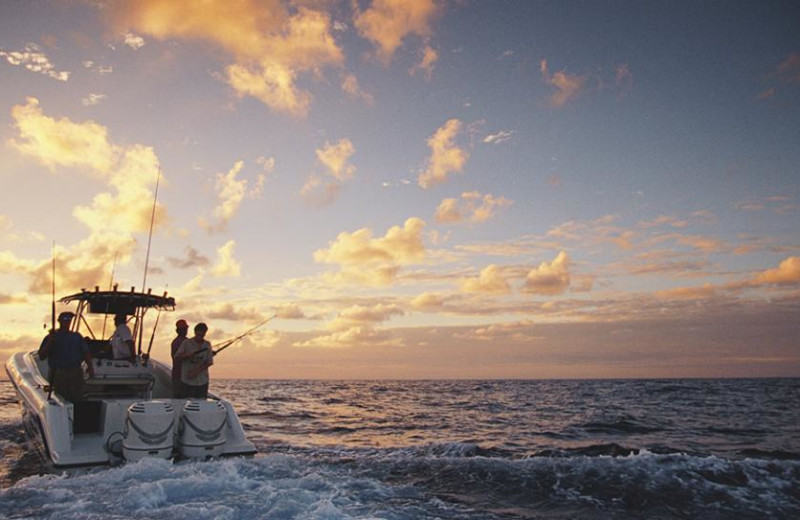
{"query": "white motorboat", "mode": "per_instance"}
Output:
(128, 409)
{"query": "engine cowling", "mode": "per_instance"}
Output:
(149, 430)
(201, 431)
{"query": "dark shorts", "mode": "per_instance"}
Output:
(178, 389)
(69, 383)
(197, 392)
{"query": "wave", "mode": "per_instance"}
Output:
(618, 425)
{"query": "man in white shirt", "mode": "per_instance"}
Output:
(121, 340)
(197, 356)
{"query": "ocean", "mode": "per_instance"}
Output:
(608, 449)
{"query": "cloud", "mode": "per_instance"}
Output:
(33, 59)
(473, 207)
(103, 70)
(427, 301)
(787, 272)
(130, 208)
(550, 278)
(83, 265)
(270, 46)
(427, 63)
(787, 73)
(290, 311)
(93, 99)
(623, 79)
(688, 293)
(499, 137)
(317, 192)
(361, 316)
(386, 23)
(335, 158)
(193, 259)
(446, 157)
(374, 261)
(351, 87)
(664, 220)
(568, 87)
(133, 41)
(359, 336)
(230, 312)
(267, 168)
(130, 171)
(62, 142)
(401, 245)
(490, 280)
(789, 69)
(230, 192)
(226, 264)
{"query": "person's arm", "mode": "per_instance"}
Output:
(87, 357)
(44, 347)
(183, 352)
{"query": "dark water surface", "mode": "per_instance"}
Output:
(454, 450)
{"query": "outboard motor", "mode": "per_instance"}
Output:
(200, 434)
(149, 430)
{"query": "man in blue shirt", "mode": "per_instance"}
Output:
(64, 351)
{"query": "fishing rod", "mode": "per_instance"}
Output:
(245, 334)
(237, 338)
(110, 285)
(147, 260)
(146, 355)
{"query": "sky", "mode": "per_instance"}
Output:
(415, 188)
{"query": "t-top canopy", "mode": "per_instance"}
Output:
(119, 302)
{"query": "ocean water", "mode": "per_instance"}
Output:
(710, 449)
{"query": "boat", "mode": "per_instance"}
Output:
(128, 411)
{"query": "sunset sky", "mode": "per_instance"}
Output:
(417, 188)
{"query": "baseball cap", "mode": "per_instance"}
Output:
(66, 316)
(181, 324)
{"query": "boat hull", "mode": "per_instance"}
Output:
(88, 433)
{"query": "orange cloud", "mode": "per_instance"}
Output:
(446, 156)
(427, 63)
(568, 87)
(112, 217)
(490, 280)
(427, 301)
(550, 278)
(400, 245)
(226, 264)
(473, 207)
(317, 192)
(335, 157)
(359, 315)
(387, 23)
(787, 272)
(230, 193)
(61, 142)
(374, 261)
(270, 45)
(353, 89)
(688, 293)
(33, 59)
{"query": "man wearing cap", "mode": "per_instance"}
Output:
(181, 328)
(64, 351)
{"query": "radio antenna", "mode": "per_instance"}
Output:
(150, 236)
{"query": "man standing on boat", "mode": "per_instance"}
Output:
(64, 351)
(182, 329)
(196, 356)
(122, 345)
